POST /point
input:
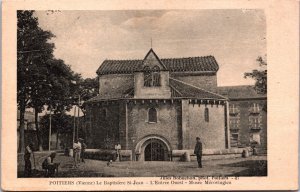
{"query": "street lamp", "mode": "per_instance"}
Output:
(75, 131)
(50, 121)
(79, 104)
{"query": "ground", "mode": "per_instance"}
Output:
(251, 166)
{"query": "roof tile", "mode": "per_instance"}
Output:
(240, 92)
(191, 64)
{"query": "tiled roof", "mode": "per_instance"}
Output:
(189, 64)
(179, 89)
(184, 90)
(240, 92)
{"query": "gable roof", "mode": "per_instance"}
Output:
(158, 59)
(240, 92)
(187, 64)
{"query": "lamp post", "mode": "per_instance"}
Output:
(78, 116)
(50, 118)
(50, 124)
(76, 127)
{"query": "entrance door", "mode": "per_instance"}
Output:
(154, 151)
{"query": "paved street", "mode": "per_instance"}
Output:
(252, 166)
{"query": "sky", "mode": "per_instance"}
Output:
(84, 39)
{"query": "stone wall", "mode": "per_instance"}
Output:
(166, 126)
(163, 91)
(207, 81)
(113, 85)
(212, 133)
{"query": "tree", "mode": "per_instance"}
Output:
(62, 89)
(33, 51)
(91, 87)
(260, 76)
(42, 79)
(61, 124)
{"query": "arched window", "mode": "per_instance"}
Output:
(152, 115)
(206, 114)
(156, 76)
(147, 77)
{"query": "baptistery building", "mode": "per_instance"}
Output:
(153, 106)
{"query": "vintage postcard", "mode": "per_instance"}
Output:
(150, 95)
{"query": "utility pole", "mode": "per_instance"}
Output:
(78, 117)
(50, 119)
(74, 127)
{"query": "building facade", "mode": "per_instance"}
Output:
(247, 116)
(153, 106)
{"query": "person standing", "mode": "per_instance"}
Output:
(83, 147)
(27, 155)
(76, 150)
(198, 152)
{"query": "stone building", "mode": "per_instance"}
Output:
(153, 106)
(247, 116)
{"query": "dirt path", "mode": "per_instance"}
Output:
(252, 166)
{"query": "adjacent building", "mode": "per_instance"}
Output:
(247, 116)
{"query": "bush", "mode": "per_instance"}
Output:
(101, 154)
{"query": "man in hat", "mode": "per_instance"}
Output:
(198, 151)
(83, 147)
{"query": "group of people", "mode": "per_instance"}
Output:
(48, 165)
(79, 154)
(78, 151)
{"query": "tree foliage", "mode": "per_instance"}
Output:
(62, 90)
(41, 78)
(260, 76)
(87, 89)
(33, 51)
(61, 124)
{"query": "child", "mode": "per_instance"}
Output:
(49, 165)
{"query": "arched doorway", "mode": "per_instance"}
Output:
(155, 151)
(153, 148)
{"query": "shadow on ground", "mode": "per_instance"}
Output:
(254, 168)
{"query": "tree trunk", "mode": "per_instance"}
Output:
(57, 134)
(22, 128)
(38, 133)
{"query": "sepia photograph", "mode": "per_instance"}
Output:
(150, 95)
(141, 93)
